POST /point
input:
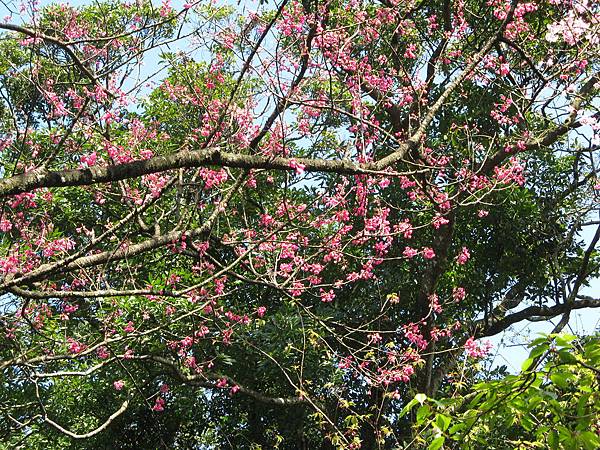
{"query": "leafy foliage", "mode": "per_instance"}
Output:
(291, 227)
(551, 404)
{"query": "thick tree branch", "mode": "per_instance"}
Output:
(36, 294)
(182, 159)
(531, 312)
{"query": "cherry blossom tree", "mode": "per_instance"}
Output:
(273, 224)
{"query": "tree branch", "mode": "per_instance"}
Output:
(122, 253)
(551, 136)
(183, 159)
(94, 432)
(26, 293)
(533, 311)
(202, 380)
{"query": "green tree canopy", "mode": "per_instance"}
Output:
(294, 226)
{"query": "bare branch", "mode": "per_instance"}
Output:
(94, 432)
(207, 381)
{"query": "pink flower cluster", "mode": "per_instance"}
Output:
(476, 350)
(298, 167)
(463, 256)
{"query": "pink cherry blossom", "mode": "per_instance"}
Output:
(327, 296)
(428, 253)
(409, 252)
(475, 350)
(159, 405)
(298, 167)
(463, 256)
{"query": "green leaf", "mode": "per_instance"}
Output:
(564, 340)
(456, 428)
(539, 350)
(408, 407)
(589, 440)
(539, 341)
(422, 413)
(526, 364)
(560, 379)
(476, 400)
(566, 356)
(436, 443)
(553, 439)
(442, 421)
(581, 404)
(527, 423)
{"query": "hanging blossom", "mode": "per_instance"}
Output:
(511, 172)
(75, 347)
(409, 252)
(428, 253)
(575, 27)
(327, 296)
(458, 294)
(159, 405)
(298, 167)
(434, 304)
(464, 256)
(476, 350)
